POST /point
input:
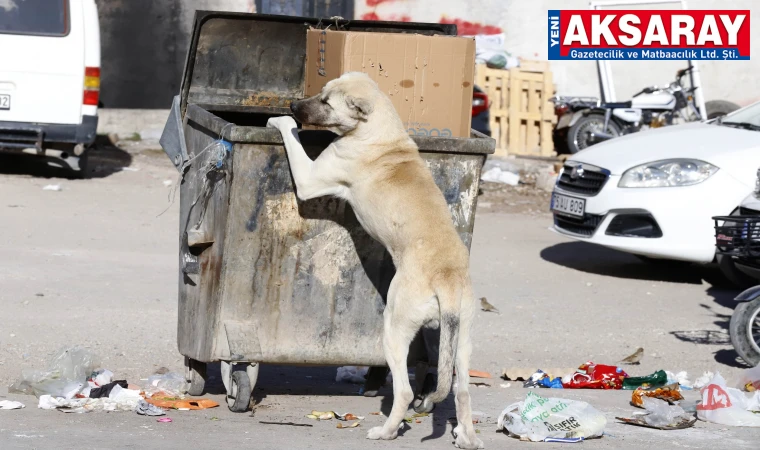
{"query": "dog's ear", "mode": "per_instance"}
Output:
(361, 108)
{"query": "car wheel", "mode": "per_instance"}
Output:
(744, 330)
(579, 135)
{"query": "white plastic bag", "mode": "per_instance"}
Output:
(172, 384)
(726, 406)
(489, 49)
(496, 175)
(661, 414)
(351, 374)
(65, 376)
(538, 418)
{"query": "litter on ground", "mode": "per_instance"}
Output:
(537, 418)
(728, 406)
(8, 404)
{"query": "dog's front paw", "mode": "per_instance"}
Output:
(282, 123)
(379, 433)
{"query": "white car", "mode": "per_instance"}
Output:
(49, 78)
(654, 193)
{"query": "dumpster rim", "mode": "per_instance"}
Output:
(476, 144)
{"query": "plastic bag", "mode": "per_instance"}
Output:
(726, 406)
(660, 413)
(172, 384)
(126, 401)
(496, 175)
(682, 378)
(750, 379)
(538, 418)
(351, 374)
(703, 380)
(66, 374)
(489, 49)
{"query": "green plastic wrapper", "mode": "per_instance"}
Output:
(657, 379)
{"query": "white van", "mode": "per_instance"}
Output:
(49, 78)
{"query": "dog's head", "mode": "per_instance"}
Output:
(343, 105)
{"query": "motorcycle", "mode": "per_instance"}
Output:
(737, 238)
(583, 122)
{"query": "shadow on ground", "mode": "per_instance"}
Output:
(105, 159)
(728, 356)
(600, 260)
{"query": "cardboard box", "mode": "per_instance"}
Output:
(429, 79)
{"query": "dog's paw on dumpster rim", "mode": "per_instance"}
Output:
(282, 123)
(378, 433)
(465, 442)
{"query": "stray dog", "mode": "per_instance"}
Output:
(376, 167)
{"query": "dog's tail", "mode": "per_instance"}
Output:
(449, 295)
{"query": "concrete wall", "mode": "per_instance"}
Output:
(524, 23)
(144, 44)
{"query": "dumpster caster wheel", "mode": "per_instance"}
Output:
(239, 395)
(195, 374)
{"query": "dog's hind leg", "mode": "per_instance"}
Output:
(399, 329)
(465, 432)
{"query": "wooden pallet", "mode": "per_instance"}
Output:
(522, 118)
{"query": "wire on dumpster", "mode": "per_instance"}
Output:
(217, 162)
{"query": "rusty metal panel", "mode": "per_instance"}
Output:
(307, 274)
(201, 257)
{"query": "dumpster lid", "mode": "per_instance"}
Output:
(256, 62)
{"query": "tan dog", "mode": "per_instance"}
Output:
(377, 168)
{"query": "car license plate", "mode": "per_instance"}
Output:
(5, 101)
(568, 205)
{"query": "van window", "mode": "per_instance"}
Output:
(36, 17)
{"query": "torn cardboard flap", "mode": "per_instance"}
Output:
(429, 79)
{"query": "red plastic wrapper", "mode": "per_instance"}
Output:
(596, 376)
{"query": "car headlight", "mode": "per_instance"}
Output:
(667, 173)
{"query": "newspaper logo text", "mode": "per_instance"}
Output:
(683, 30)
(649, 34)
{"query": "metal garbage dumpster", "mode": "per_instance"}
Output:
(263, 277)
